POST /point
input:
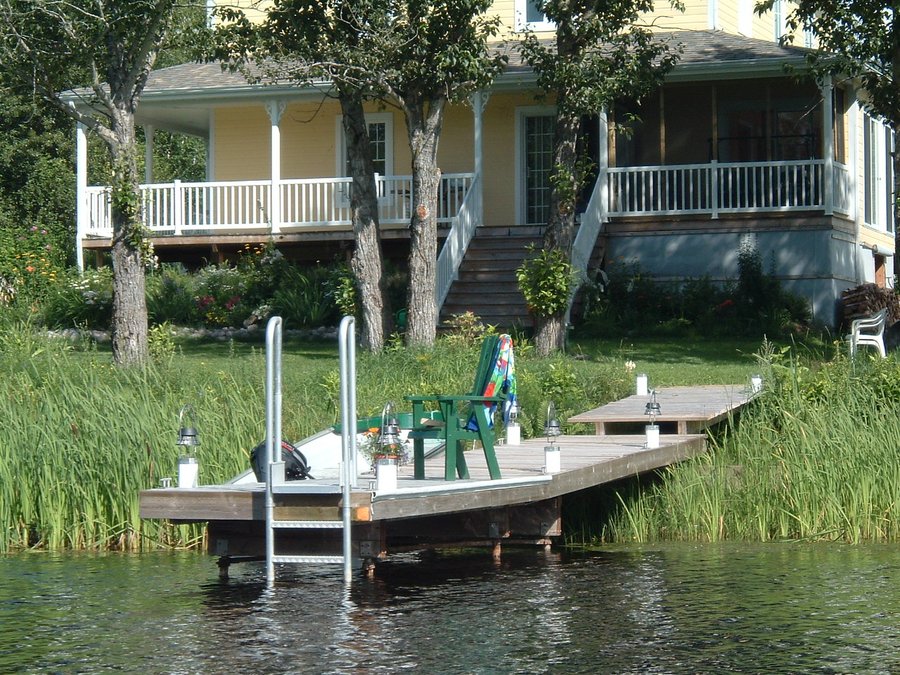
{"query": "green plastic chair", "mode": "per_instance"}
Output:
(454, 412)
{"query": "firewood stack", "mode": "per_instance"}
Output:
(868, 299)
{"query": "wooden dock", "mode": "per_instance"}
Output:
(523, 506)
(684, 410)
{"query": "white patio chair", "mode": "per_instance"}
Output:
(868, 330)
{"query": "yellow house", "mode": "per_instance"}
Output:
(729, 149)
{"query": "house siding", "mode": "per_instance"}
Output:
(308, 141)
(506, 11)
(499, 154)
(728, 17)
(665, 18)
(242, 147)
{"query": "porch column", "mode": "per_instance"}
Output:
(81, 206)
(852, 171)
(603, 164)
(853, 159)
(149, 132)
(479, 102)
(211, 149)
(828, 144)
(275, 110)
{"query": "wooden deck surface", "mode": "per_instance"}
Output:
(586, 461)
(689, 410)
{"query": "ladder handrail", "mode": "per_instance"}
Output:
(275, 474)
(347, 352)
(273, 433)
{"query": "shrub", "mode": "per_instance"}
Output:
(546, 279)
(755, 305)
(342, 289)
(30, 263)
(303, 298)
(171, 296)
(220, 295)
(80, 300)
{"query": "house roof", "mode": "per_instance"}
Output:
(180, 97)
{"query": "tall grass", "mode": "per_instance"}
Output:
(815, 458)
(81, 438)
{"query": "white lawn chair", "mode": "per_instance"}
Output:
(868, 330)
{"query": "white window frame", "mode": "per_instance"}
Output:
(779, 18)
(878, 182)
(341, 142)
(521, 113)
(523, 24)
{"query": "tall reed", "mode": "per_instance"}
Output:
(815, 458)
(81, 438)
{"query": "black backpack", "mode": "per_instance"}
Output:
(295, 464)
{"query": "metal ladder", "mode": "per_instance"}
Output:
(275, 477)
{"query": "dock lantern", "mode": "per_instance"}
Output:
(390, 429)
(756, 383)
(513, 431)
(652, 410)
(552, 430)
(188, 439)
(642, 384)
(387, 462)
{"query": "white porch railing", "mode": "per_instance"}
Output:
(246, 206)
(714, 188)
(454, 250)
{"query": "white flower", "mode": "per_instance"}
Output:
(629, 366)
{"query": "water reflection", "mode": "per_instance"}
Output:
(676, 608)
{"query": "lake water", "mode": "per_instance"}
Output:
(656, 609)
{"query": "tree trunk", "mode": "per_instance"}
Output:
(549, 334)
(550, 331)
(423, 123)
(565, 183)
(129, 316)
(366, 262)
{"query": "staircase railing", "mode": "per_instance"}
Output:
(462, 229)
(591, 225)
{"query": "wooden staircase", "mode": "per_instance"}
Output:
(487, 284)
(487, 277)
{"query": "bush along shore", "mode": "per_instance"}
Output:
(815, 458)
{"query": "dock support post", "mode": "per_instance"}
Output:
(496, 550)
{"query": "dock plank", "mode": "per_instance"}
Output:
(691, 409)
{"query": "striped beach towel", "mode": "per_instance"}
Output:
(502, 380)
